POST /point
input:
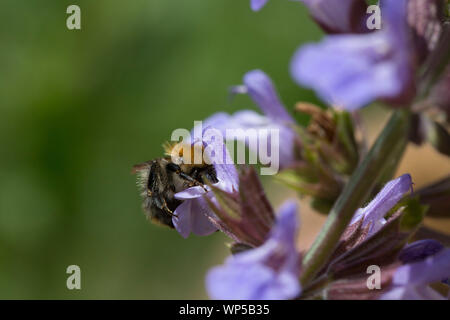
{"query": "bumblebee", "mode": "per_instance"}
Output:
(160, 179)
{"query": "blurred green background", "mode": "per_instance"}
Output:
(79, 108)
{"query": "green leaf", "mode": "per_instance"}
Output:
(438, 136)
(321, 205)
(437, 197)
(346, 136)
(413, 214)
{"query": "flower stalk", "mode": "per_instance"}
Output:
(383, 156)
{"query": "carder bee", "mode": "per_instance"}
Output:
(160, 179)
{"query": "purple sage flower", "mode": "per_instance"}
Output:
(262, 91)
(427, 262)
(339, 16)
(367, 225)
(350, 71)
(372, 215)
(334, 16)
(419, 250)
(194, 214)
(269, 272)
(257, 5)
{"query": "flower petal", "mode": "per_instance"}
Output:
(351, 71)
(217, 152)
(287, 224)
(182, 218)
(433, 269)
(250, 119)
(247, 121)
(419, 250)
(239, 120)
(257, 5)
(262, 91)
(190, 193)
(267, 272)
(252, 281)
(384, 201)
(412, 293)
(201, 225)
(338, 16)
(286, 286)
(240, 282)
(190, 216)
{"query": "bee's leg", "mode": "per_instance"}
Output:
(162, 204)
(154, 173)
(166, 209)
(208, 174)
(192, 181)
(211, 174)
(204, 174)
(195, 174)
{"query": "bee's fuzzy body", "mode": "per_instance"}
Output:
(159, 180)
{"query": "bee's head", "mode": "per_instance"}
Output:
(186, 155)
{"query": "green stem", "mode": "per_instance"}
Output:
(316, 287)
(385, 152)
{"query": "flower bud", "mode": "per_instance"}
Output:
(245, 215)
